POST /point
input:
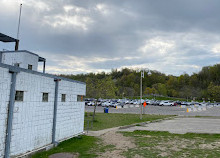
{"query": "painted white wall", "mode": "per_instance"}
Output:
(70, 114)
(23, 58)
(5, 80)
(33, 119)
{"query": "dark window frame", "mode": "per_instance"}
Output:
(63, 97)
(80, 98)
(30, 67)
(17, 64)
(45, 97)
(19, 96)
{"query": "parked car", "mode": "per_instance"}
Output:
(155, 102)
(216, 104)
(166, 103)
(90, 103)
(121, 104)
(196, 103)
(126, 101)
(148, 102)
(186, 103)
(105, 104)
(113, 104)
(151, 102)
(177, 103)
(99, 103)
(135, 102)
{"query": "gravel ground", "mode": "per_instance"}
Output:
(160, 110)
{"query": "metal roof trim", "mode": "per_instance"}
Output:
(39, 73)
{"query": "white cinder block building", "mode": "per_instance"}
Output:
(22, 58)
(36, 109)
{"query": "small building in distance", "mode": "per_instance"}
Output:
(37, 110)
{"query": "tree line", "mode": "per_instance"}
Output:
(126, 83)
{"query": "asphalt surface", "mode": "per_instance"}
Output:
(182, 126)
(159, 110)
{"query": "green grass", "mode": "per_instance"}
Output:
(109, 120)
(86, 146)
(165, 144)
(82, 145)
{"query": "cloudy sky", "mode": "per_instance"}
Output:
(80, 36)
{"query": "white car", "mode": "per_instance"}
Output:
(127, 102)
(90, 103)
(114, 104)
(136, 102)
(105, 104)
(166, 103)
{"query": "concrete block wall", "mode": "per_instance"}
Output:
(33, 119)
(5, 80)
(70, 114)
(23, 58)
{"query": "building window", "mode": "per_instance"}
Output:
(63, 99)
(30, 67)
(45, 97)
(19, 96)
(17, 64)
(80, 98)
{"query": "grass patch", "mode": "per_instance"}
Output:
(86, 146)
(109, 120)
(165, 144)
(82, 145)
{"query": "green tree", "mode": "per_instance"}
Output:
(148, 91)
(161, 89)
(214, 91)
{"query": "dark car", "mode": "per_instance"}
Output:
(177, 103)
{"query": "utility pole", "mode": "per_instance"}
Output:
(19, 21)
(141, 109)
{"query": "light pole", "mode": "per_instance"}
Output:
(142, 76)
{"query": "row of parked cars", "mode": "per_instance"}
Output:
(163, 102)
(122, 102)
(175, 103)
(105, 102)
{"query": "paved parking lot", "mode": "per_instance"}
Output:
(160, 110)
(182, 126)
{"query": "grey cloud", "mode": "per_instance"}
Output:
(192, 25)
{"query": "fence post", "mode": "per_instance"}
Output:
(55, 111)
(10, 112)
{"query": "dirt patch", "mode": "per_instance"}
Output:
(64, 155)
(163, 154)
(120, 142)
(210, 146)
(166, 147)
(145, 136)
(138, 156)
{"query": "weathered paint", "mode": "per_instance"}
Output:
(10, 114)
(33, 119)
(24, 58)
(5, 82)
